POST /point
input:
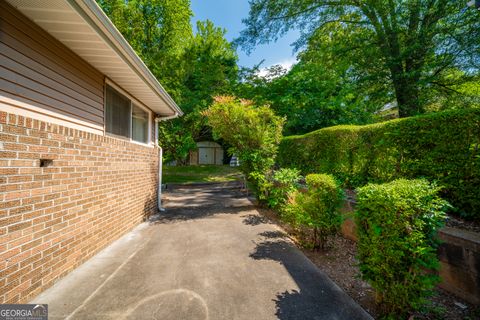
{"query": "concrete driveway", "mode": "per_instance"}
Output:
(210, 256)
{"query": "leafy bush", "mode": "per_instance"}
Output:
(397, 224)
(282, 183)
(443, 146)
(254, 134)
(317, 208)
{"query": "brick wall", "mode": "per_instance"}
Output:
(54, 218)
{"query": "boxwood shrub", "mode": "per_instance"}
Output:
(397, 224)
(317, 207)
(443, 147)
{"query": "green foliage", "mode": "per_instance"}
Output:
(317, 208)
(463, 92)
(192, 68)
(282, 183)
(397, 226)
(252, 132)
(159, 31)
(209, 65)
(398, 50)
(176, 140)
(443, 146)
(311, 95)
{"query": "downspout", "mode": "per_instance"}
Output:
(160, 159)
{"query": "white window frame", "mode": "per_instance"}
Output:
(132, 102)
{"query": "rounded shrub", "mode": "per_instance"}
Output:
(397, 223)
(317, 207)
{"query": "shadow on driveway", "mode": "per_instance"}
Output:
(254, 220)
(210, 256)
(187, 214)
(317, 298)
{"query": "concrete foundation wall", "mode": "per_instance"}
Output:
(64, 195)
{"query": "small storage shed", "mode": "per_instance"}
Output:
(208, 152)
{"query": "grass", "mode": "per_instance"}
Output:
(202, 173)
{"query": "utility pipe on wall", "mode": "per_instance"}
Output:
(160, 159)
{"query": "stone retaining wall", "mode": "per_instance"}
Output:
(459, 256)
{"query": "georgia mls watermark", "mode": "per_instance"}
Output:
(23, 312)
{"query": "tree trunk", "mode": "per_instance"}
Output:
(406, 92)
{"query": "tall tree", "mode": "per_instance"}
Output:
(327, 86)
(159, 31)
(413, 42)
(210, 68)
(192, 68)
(320, 90)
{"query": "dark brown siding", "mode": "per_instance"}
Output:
(38, 70)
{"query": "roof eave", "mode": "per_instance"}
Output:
(98, 20)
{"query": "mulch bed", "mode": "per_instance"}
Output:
(340, 264)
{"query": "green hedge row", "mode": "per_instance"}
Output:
(443, 147)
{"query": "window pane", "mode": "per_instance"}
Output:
(117, 113)
(139, 124)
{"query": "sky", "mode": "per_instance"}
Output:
(228, 14)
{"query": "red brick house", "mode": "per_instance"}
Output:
(79, 162)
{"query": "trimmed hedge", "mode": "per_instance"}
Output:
(441, 147)
(397, 242)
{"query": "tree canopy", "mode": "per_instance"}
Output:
(413, 46)
(192, 66)
(159, 31)
(315, 93)
(354, 57)
(209, 68)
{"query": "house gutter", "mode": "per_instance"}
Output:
(105, 28)
(160, 158)
(98, 20)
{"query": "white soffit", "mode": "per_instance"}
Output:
(82, 26)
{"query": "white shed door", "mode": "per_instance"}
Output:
(218, 156)
(206, 156)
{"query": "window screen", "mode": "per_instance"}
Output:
(117, 113)
(139, 124)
